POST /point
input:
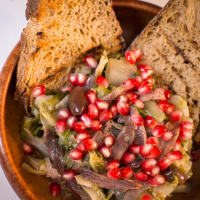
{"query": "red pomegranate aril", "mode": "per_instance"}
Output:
(170, 109)
(163, 105)
(159, 130)
(146, 197)
(128, 158)
(187, 126)
(76, 154)
(157, 180)
(177, 146)
(102, 81)
(106, 151)
(70, 122)
(127, 173)
(102, 105)
(145, 88)
(185, 134)
(86, 119)
(123, 98)
(112, 164)
(152, 140)
(93, 111)
(73, 78)
(131, 84)
(90, 144)
(114, 110)
(167, 94)
(91, 62)
(148, 165)
(131, 96)
(123, 108)
(137, 119)
(81, 79)
(54, 189)
(138, 103)
(64, 113)
(27, 148)
(79, 126)
(145, 150)
(61, 126)
(175, 155)
(167, 135)
(114, 173)
(109, 140)
(195, 156)
(145, 70)
(155, 152)
(164, 163)
(150, 122)
(81, 147)
(69, 175)
(38, 90)
(96, 125)
(91, 96)
(82, 136)
(176, 116)
(141, 176)
(105, 116)
(155, 171)
(135, 148)
(133, 56)
(66, 89)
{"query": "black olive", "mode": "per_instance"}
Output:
(135, 164)
(169, 175)
(77, 101)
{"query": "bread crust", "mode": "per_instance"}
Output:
(32, 8)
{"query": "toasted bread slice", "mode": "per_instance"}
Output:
(58, 34)
(170, 44)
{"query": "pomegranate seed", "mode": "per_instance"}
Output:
(27, 149)
(167, 135)
(91, 62)
(66, 89)
(132, 96)
(145, 88)
(102, 105)
(93, 111)
(102, 81)
(175, 155)
(133, 56)
(170, 109)
(177, 146)
(68, 175)
(114, 173)
(176, 116)
(185, 134)
(61, 126)
(81, 79)
(114, 110)
(64, 113)
(105, 151)
(163, 105)
(148, 165)
(139, 80)
(105, 115)
(131, 84)
(127, 173)
(146, 197)
(137, 119)
(79, 126)
(123, 98)
(109, 140)
(96, 125)
(152, 140)
(112, 164)
(73, 78)
(86, 119)
(187, 126)
(157, 180)
(54, 189)
(138, 103)
(123, 108)
(145, 150)
(38, 90)
(70, 122)
(91, 96)
(134, 149)
(167, 94)
(159, 130)
(145, 70)
(90, 144)
(164, 163)
(76, 154)
(155, 152)
(141, 176)
(81, 147)
(151, 81)
(128, 158)
(155, 171)
(150, 122)
(82, 136)
(195, 156)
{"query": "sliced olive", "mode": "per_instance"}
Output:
(77, 101)
(169, 175)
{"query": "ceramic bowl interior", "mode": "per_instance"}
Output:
(133, 17)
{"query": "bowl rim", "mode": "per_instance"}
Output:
(6, 160)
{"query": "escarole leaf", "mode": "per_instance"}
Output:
(96, 161)
(102, 63)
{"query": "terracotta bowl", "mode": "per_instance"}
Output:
(133, 16)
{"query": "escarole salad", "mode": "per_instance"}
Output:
(111, 133)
